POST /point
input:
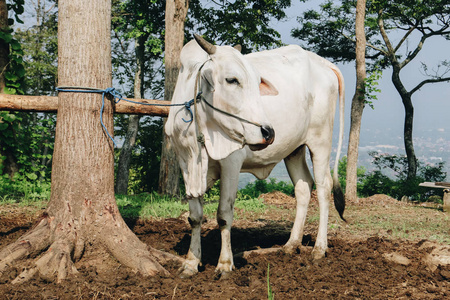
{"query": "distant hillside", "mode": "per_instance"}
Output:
(431, 146)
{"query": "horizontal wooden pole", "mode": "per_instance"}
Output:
(50, 104)
(440, 185)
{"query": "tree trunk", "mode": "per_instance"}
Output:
(123, 168)
(176, 11)
(9, 162)
(357, 103)
(408, 125)
(408, 136)
(82, 210)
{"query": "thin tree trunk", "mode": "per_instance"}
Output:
(357, 103)
(82, 210)
(408, 136)
(408, 124)
(123, 168)
(176, 11)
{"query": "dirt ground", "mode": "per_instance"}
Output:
(367, 265)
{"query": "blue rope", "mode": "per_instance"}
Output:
(117, 97)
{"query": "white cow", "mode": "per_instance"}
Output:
(243, 100)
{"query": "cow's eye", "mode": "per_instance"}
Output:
(232, 80)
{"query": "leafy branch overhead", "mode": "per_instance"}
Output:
(330, 31)
(247, 23)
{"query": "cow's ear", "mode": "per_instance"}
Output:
(267, 89)
(238, 47)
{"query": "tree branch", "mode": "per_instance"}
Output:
(411, 29)
(420, 85)
(416, 51)
(391, 51)
(367, 45)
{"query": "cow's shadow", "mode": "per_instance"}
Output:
(273, 234)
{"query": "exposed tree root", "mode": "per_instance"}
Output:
(130, 251)
(31, 243)
(65, 244)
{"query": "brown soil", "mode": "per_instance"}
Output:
(366, 266)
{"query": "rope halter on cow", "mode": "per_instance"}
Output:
(198, 97)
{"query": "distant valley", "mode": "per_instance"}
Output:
(431, 146)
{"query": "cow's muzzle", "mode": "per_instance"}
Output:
(268, 135)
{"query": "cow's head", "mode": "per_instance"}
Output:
(230, 84)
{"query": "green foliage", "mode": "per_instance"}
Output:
(371, 87)
(28, 138)
(40, 55)
(14, 72)
(258, 187)
(21, 189)
(153, 205)
(147, 155)
(395, 182)
(238, 22)
(342, 173)
(149, 205)
(138, 21)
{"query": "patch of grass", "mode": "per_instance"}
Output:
(150, 205)
(23, 191)
(406, 222)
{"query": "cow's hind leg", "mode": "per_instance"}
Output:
(302, 180)
(193, 258)
(324, 183)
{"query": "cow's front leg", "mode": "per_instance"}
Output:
(229, 179)
(190, 265)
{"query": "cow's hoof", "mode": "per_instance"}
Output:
(222, 275)
(184, 272)
(318, 254)
(292, 248)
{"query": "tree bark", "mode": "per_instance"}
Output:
(123, 168)
(358, 103)
(82, 209)
(176, 11)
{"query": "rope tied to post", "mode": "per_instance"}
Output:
(118, 97)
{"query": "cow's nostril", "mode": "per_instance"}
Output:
(267, 133)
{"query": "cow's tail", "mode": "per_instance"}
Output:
(339, 199)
